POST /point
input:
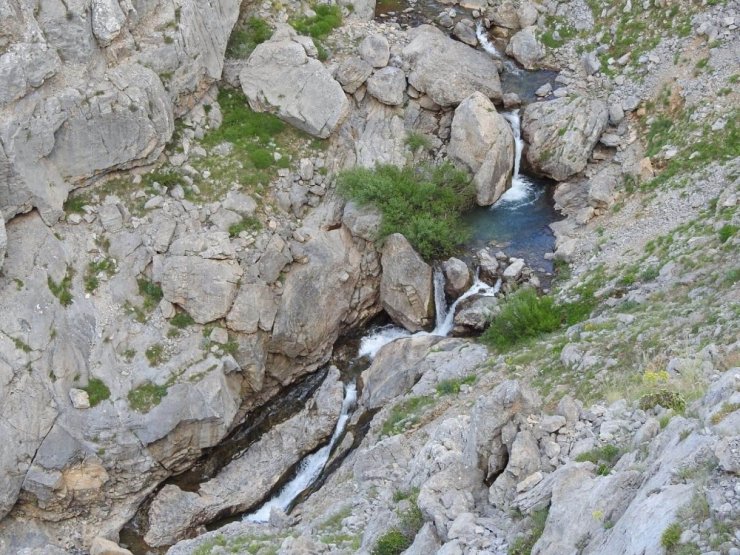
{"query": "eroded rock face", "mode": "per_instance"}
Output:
(449, 71)
(562, 133)
(406, 289)
(174, 512)
(482, 142)
(281, 78)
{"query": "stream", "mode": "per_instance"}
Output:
(517, 223)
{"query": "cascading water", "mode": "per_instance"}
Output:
(311, 467)
(489, 47)
(378, 338)
(522, 190)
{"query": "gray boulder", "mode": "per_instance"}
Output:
(449, 71)
(457, 277)
(374, 49)
(204, 288)
(280, 78)
(406, 290)
(525, 48)
(562, 133)
(107, 20)
(482, 142)
(387, 85)
(353, 73)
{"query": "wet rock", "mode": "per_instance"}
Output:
(482, 142)
(406, 290)
(387, 85)
(457, 277)
(465, 32)
(488, 266)
(374, 49)
(562, 134)
(279, 77)
(474, 313)
(449, 71)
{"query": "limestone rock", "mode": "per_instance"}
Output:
(374, 49)
(474, 313)
(387, 85)
(562, 133)
(406, 290)
(482, 142)
(254, 308)
(457, 277)
(449, 71)
(280, 78)
(204, 288)
(353, 73)
(102, 546)
(107, 20)
(525, 48)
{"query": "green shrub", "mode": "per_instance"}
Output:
(523, 315)
(524, 544)
(726, 232)
(604, 457)
(448, 387)
(182, 320)
(424, 204)
(399, 538)
(74, 205)
(248, 223)
(241, 126)
(261, 158)
(416, 141)
(107, 265)
(97, 391)
(146, 396)
(666, 399)
(155, 354)
(245, 38)
(671, 536)
(151, 292)
(392, 542)
(327, 19)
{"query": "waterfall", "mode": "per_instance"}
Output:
(311, 466)
(445, 316)
(522, 191)
(489, 47)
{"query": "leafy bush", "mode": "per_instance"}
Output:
(392, 542)
(327, 19)
(146, 396)
(417, 140)
(151, 292)
(424, 204)
(726, 232)
(245, 38)
(666, 399)
(399, 538)
(524, 544)
(671, 536)
(97, 391)
(605, 457)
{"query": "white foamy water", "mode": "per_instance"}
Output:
(445, 316)
(522, 190)
(311, 466)
(488, 46)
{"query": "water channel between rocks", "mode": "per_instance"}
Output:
(517, 224)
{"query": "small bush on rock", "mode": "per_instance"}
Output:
(671, 537)
(319, 26)
(97, 391)
(424, 204)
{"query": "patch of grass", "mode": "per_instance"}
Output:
(155, 354)
(524, 544)
(319, 26)
(248, 223)
(671, 536)
(423, 203)
(604, 457)
(405, 414)
(97, 391)
(182, 320)
(151, 292)
(726, 410)
(107, 265)
(62, 290)
(415, 141)
(398, 539)
(75, 205)
(146, 396)
(246, 36)
(726, 232)
(450, 387)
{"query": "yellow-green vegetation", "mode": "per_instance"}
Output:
(523, 545)
(97, 391)
(405, 414)
(182, 320)
(603, 457)
(246, 36)
(62, 290)
(146, 396)
(726, 410)
(399, 538)
(424, 203)
(671, 536)
(155, 354)
(319, 26)
(415, 141)
(450, 387)
(107, 265)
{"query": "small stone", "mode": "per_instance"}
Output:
(220, 336)
(529, 482)
(544, 90)
(80, 399)
(552, 423)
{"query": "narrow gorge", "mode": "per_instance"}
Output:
(416, 276)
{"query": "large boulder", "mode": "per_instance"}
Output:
(374, 49)
(353, 73)
(281, 78)
(449, 71)
(406, 288)
(482, 142)
(562, 134)
(205, 288)
(387, 85)
(525, 48)
(175, 512)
